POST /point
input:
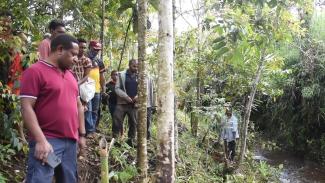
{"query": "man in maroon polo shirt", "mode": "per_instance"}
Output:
(52, 113)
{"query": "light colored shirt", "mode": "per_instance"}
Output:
(229, 128)
(44, 49)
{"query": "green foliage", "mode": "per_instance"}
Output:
(270, 146)
(2, 178)
(256, 172)
(122, 156)
(6, 152)
(232, 45)
(10, 117)
(297, 117)
(196, 164)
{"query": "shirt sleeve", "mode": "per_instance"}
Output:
(44, 50)
(30, 84)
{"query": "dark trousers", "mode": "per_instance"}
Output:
(149, 119)
(230, 149)
(120, 112)
(111, 108)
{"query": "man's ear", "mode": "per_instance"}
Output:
(59, 49)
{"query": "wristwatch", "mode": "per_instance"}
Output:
(82, 134)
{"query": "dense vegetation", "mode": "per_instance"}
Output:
(279, 46)
(296, 117)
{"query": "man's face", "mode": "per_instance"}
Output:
(134, 67)
(59, 30)
(66, 58)
(228, 113)
(94, 51)
(114, 76)
(82, 48)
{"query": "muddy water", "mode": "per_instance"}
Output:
(295, 169)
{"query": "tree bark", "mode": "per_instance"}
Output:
(142, 92)
(175, 97)
(102, 30)
(249, 104)
(166, 152)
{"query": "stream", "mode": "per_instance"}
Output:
(295, 169)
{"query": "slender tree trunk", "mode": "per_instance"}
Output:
(110, 54)
(195, 123)
(175, 98)
(102, 30)
(249, 104)
(124, 43)
(166, 152)
(142, 91)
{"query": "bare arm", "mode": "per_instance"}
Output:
(85, 77)
(30, 119)
(82, 130)
(42, 147)
(81, 117)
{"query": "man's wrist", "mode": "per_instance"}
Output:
(41, 139)
(82, 134)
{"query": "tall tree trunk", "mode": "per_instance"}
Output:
(195, 123)
(110, 54)
(175, 97)
(166, 152)
(249, 105)
(102, 30)
(142, 91)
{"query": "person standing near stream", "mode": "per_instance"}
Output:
(229, 133)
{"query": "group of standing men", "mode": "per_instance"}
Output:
(55, 116)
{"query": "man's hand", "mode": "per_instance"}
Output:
(135, 99)
(82, 147)
(42, 150)
(129, 99)
(82, 142)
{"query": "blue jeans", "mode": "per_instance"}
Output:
(91, 115)
(66, 172)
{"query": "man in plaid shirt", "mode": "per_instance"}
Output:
(82, 67)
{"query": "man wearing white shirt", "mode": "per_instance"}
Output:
(229, 133)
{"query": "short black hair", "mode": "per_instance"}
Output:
(63, 39)
(113, 71)
(131, 61)
(55, 23)
(82, 40)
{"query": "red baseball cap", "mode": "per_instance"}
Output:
(95, 44)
